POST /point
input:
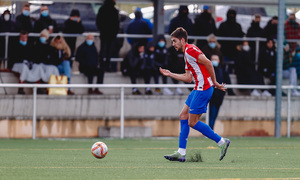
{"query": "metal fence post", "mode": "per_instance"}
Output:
(34, 113)
(122, 114)
(289, 113)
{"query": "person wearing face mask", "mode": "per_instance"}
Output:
(45, 22)
(88, 58)
(23, 20)
(182, 20)
(206, 20)
(44, 55)
(245, 69)
(23, 63)
(6, 25)
(161, 60)
(61, 58)
(212, 47)
(229, 28)
(218, 95)
(73, 25)
(292, 30)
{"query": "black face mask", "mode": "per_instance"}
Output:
(231, 19)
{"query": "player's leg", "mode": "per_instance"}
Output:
(179, 155)
(198, 106)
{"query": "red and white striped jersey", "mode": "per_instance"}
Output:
(201, 76)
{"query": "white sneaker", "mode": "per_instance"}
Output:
(179, 91)
(295, 93)
(255, 93)
(167, 91)
(266, 93)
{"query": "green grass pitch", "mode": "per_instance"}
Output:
(247, 158)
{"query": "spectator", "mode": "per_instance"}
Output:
(230, 28)
(218, 95)
(213, 47)
(267, 62)
(270, 30)
(134, 59)
(206, 20)
(87, 56)
(255, 31)
(148, 65)
(45, 22)
(161, 60)
(150, 24)
(138, 26)
(292, 30)
(23, 20)
(6, 25)
(245, 69)
(182, 20)
(289, 69)
(109, 28)
(20, 61)
(43, 55)
(73, 25)
(61, 57)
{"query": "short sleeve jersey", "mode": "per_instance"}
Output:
(201, 76)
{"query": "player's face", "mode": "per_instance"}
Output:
(176, 43)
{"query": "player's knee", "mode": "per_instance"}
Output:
(183, 116)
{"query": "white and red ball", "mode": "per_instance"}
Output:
(99, 149)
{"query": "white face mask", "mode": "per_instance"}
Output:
(246, 47)
(6, 17)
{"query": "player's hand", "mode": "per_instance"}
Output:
(220, 86)
(165, 72)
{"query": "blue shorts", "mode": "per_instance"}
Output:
(198, 101)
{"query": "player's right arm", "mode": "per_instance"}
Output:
(187, 77)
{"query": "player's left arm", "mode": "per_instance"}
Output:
(202, 59)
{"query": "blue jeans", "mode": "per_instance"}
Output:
(65, 68)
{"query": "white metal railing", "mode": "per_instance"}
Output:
(122, 95)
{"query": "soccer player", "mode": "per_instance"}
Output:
(201, 69)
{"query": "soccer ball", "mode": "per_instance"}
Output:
(99, 149)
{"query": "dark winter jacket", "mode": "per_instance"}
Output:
(206, 20)
(87, 56)
(230, 28)
(44, 23)
(24, 23)
(7, 26)
(18, 53)
(181, 20)
(108, 20)
(267, 61)
(43, 53)
(218, 95)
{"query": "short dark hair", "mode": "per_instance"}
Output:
(180, 33)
